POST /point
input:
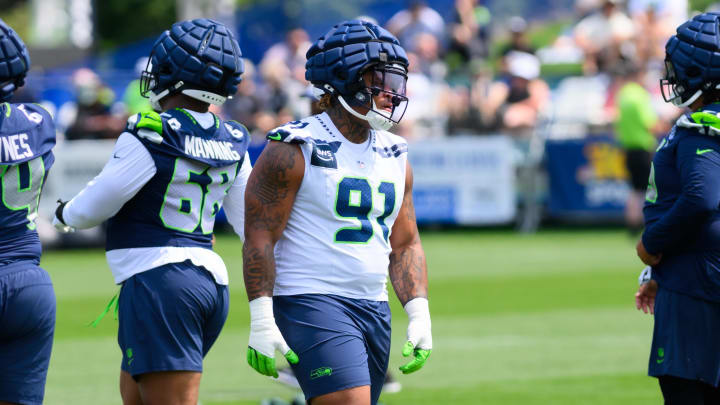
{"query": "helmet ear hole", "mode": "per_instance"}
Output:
(693, 71)
(340, 73)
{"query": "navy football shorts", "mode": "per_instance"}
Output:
(27, 324)
(169, 317)
(341, 342)
(686, 338)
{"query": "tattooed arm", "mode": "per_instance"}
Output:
(408, 269)
(269, 197)
(408, 274)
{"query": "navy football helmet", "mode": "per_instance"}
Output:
(14, 61)
(199, 58)
(337, 62)
(692, 60)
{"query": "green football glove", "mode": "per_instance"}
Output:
(265, 365)
(417, 362)
(419, 335)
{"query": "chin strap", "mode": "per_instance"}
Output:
(689, 101)
(376, 120)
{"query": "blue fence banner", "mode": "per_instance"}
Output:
(588, 178)
(466, 180)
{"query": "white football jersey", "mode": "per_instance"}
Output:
(337, 236)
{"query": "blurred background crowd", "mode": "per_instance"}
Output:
(544, 70)
(470, 72)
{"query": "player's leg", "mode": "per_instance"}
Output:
(129, 390)
(169, 317)
(680, 391)
(170, 388)
(27, 316)
(638, 165)
(711, 394)
(350, 396)
(333, 366)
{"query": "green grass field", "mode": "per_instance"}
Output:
(517, 319)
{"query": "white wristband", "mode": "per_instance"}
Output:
(417, 308)
(261, 308)
(645, 275)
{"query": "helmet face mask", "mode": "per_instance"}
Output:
(669, 87)
(148, 79)
(386, 84)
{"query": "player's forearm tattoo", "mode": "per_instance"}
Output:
(408, 272)
(266, 212)
(355, 130)
(258, 271)
(408, 268)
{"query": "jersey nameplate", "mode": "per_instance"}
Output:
(209, 149)
(14, 147)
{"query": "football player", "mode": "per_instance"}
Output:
(682, 223)
(329, 214)
(27, 299)
(170, 173)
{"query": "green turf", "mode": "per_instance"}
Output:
(517, 319)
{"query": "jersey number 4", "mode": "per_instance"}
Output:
(21, 185)
(355, 200)
(194, 196)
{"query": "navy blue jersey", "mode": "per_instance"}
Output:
(27, 135)
(682, 208)
(195, 169)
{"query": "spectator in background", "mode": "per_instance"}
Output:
(93, 116)
(654, 27)
(426, 112)
(246, 103)
(463, 117)
(290, 53)
(427, 50)
(275, 78)
(602, 36)
(134, 101)
(514, 101)
(519, 40)
(417, 19)
(635, 126)
(469, 34)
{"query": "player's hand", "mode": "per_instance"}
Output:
(645, 256)
(265, 339)
(57, 220)
(419, 335)
(645, 297)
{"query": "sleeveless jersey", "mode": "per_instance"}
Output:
(337, 236)
(27, 136)
(195, 169)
